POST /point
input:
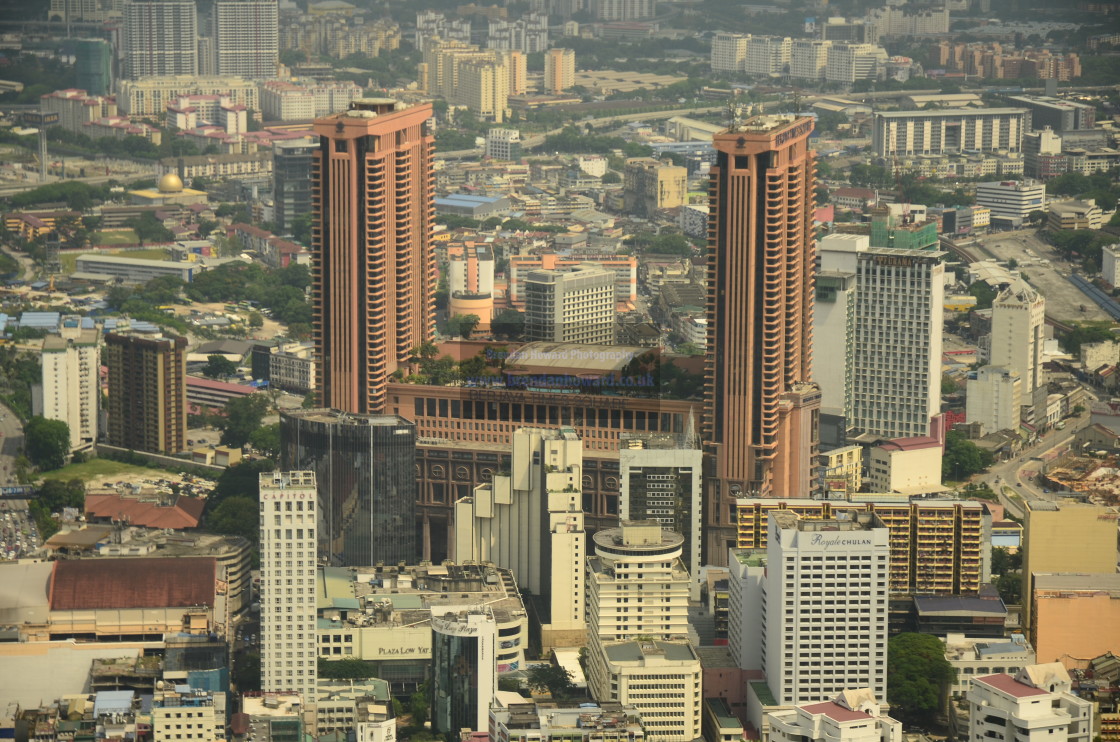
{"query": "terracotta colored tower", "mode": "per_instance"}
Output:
(761, 411)
(373, 265)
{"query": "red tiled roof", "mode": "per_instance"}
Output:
(185, 513)
(90, 584)
(1009, 685)
(835, 711)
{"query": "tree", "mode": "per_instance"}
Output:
(266, 439)
(47, 442)
(256, 320)
(1036, 218)
(51, 497)
(348, 669)
(1004, 560)
(243, 416)
(218, 366)
(149, 229)
(917, 676)
(236, 516)
(962, 458)
(1010, 588)
(984, 294)
(553, 678)
(949, 385)
(462, 324)
(247, 673)
(611, 177)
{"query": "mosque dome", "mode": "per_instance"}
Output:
(170, 183)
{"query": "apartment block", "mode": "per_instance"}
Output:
(936, 546)
(650, 185)
(848, 62)
(71, 388)
(729, 52)
(246, 38)
(625, 268)
(767, 55)
(571, 305)
(1018, 336)
(531, 521)
(808, 58)
(559, 70)
(622, 10)
(147, 392)
(469, 76)
(159, 38)
(287, 101)
(75, 108)
(995, 399)
(150, 96)
(949, 131)
(1036, 704)
(288, 523)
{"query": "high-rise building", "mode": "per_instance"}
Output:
(1056, 113)
(1051, 530)
(637, 585)
(1037, 704)
(1018, 335)
(291, 178)
(1013, 200)
(147, 392)
(365, 470)
(571, 305)
(948, 131)
(159, 38)
(531, 521)
(464, 667)
(808, 58)
(661, 479)
(503, 144)
(729, 51)
(650, 185)
(760, 405)
(288, 619)
(372, 265)
(622, 10)
(71, 389)
(814, 647)
(994, 399)
(466, 75)
(848, 62)
(559, 70)
(470, 283)
(767, 55)
(246, 38)
(891, 384)
(93, 63)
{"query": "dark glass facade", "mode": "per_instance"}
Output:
(458, 651)
(291, 178)
(365, 468)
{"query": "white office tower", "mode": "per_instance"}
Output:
(246, 38)
(637, 584)
(575, 304)
(531, 522)
(1018, 337)
(747, 571)
(853, 716)
(850, 62)
(729, 52)
(808, 58)
(994, 399)
(767, 55)
(288, 543)
(824, 615)
(834, 326)
(892, 378)
(159, 38)
(1035, 705)
(464, 667)
(661, 478)
(71, 389)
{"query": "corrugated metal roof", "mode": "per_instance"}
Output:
(90, 584)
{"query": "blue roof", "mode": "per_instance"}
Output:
(112, 702)
(44, 320)
(462, 199)
(88, 323)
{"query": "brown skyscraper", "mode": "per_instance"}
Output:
(147, 407)
(760, 426)
(373, 266)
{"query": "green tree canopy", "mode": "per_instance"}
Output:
(218, 366)
(243, 417)
(236, 516)
(962, 457)
(553, 678)
(917, 676)
(47, 442)
(266, 439)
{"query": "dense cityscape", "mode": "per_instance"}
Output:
(559, 371)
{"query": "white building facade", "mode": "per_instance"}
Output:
(1012, 199)
(71, 390)
(1018, 335)
(994, 399)
(948, 131)
(1035, 705)
(159, 37)
(246, 38)
(853, 716)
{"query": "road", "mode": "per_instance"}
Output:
(10, 445)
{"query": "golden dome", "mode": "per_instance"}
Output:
(170, 183)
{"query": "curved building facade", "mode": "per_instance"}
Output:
(366, 481)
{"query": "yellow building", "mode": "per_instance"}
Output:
(1076, 617)
(936, 545)
(559, 70)
(169, 191)
(651, 185)
(1066, 536)
(843, 465)
(479, 79)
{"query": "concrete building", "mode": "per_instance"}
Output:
(291, 181)
(181, 712)
(842, 469)
(625, 269)
(759, 402)
(147, 392)
(637, 585)
(661, 479)
(852, 716)
(650, 185)
(470, 284)
(913, 523)
(464, 670)
(76, 108)
(948, 131)
(622, 10)
(767, 56)
(911, 466)
(1049, 530)
(571, 305)
(1042, 155)
(159, 38)
(149, 96)
(891, 383)
(282, 100)
(71, 388)
(364, 469)
(1070, 215)
(373, 264)
(1110, 264)
(819, 654)
(729, 51)
(531, 522)
(1055, 113)
(808, 58)
(994, 399)
(559, 70)
(246, 38)
(466, 75)
(669, 707)
(1037, 704)
(93, 63)
(135, 270)
(834, 327)
(533, 722)
(288, 522)
(1018, 336)
(1011, 200)
(1075, 616)
(848, 62)
(971, 656)
(503, 144)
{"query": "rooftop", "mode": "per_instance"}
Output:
(835, 711)
(1069, 581)
(91, 584)
(1009, 685)
(174, 512)
(647, 651)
